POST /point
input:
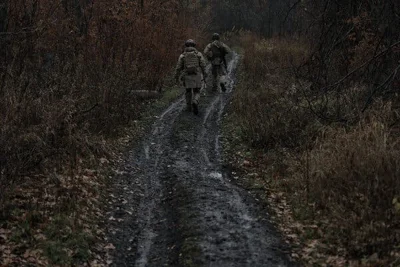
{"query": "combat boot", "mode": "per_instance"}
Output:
(223, 88)
(195, 108)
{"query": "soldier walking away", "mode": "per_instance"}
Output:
(191, 70)
(216, 53)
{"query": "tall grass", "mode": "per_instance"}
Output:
(346, 173)
(267, 98)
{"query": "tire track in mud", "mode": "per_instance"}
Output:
(173, 202)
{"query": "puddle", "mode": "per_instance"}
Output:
(216, 175)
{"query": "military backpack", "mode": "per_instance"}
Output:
(192, 63)
(217, 54)
(216, 51)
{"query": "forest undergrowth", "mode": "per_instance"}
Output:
(333, 184)
(314, 118)
(69, 76)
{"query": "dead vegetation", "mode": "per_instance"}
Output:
(68, 75)
(331, 164)
(321, 105)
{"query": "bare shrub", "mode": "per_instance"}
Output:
(353, 178)
(338, 163)
(268, 99)
(68, 72)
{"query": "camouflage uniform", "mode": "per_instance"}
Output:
(192, 82)
(218, 62)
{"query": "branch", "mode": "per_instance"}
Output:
(87, 110)
(290, 10)
(20, 32)
(362, 66)
(371, 97)
(310, 105)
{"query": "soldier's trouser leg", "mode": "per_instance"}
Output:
(215, 78)
(196, 95)
(195, 100)
(189, 96)
(222, 72)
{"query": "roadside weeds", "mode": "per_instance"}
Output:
(332, 187)
(56, 218)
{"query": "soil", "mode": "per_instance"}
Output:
(174, 203)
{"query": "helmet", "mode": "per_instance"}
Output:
(215, 36)
(190, 43)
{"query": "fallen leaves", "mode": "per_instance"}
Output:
(246, 163)
(47, 209)
(309, 239)
(110, 247)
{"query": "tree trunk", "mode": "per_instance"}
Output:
(3, 15)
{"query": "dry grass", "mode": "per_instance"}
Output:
(268, 96)
(353, 177)
(343, 176)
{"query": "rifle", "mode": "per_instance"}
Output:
(224, 59)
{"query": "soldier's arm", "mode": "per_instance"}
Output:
(207, 51)
(179, 67)
(203, 65)
(227, 49)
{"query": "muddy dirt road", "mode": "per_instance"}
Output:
(174, 204)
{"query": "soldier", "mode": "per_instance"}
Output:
(190, 69)
(215, 53)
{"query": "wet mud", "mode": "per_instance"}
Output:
(174, 203)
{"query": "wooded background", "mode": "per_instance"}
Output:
(69, 70)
